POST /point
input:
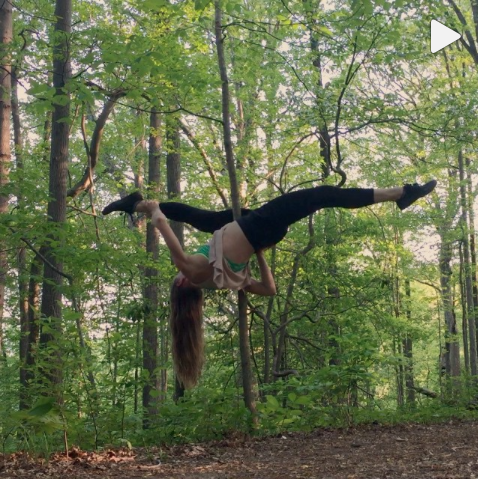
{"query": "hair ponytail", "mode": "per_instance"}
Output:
(187, 333)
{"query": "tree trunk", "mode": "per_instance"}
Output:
(467, 269)
(140, 152)
(173, 171)
(279, 358)
(247, 382)
(33, 316)
(325, 146)
(51, 309)
(464, 313)
(408, 351)
(324, 137)
(266, 327)
(471, 209)
(173, 180)
(150, 327)
(22, 253)
(6, 27)
(452, 345)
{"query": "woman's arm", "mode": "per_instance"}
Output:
(189, 265)
(266, 286)
(159, 221)
(194, 267)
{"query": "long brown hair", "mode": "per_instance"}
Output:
(187, 333)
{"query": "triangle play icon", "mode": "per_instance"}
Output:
(441, 36)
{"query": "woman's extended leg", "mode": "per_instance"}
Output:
(203, 220)
(268, 224)
(292, 207)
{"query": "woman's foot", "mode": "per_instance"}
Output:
(412, 193)
(126, 204)
(151, 209)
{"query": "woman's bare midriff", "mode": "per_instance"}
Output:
(236, 248)
(235, 245)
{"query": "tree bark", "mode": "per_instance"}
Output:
(173, 170)
(51, 309)
(173, 186)
(445, 230)
(452, 345)
(140, 152)
(249, 396)
(464, 312)
(408, 351)
(6, 31)
(467, 269)
(471, 210)
(22, 253)
(279, 359)
(151, 293)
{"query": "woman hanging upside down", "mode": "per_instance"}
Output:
(224, 262)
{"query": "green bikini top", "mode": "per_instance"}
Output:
(236, 267)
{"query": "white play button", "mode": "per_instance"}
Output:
(442, 36)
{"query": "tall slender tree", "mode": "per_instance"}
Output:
(6, 29)
(246, 369)
(468, 280)
(151, 294)
(173, 186)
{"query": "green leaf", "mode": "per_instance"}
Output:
(153, 5)
(38, 88)
(292, 397)
(201, 4)
(272, 402)
(42, 407)
(325, 30)
(61, 100)
(303, 400)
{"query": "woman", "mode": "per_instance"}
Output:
(224, 262)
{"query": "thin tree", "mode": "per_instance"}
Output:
(408, 350)
(249, 396)
(468, 299)
(173, 186)
(22, 252)
(6, 27)
(150, 327)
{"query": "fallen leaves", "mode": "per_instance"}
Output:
(441, 451)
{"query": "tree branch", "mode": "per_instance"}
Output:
(92, 152)
(470, 46)
(190, 135)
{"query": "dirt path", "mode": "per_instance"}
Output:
(443, 451)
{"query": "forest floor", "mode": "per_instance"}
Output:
(439, 451)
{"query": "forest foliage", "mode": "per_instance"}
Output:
(375, 310)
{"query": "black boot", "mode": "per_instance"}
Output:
(412, 193)
(126, 204)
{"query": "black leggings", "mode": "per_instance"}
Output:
(267, 225)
